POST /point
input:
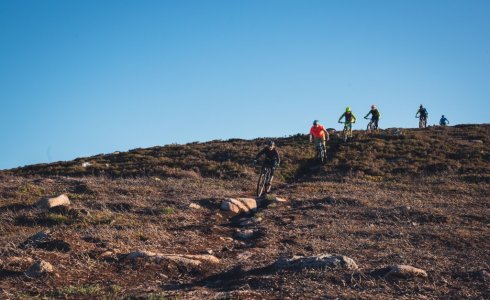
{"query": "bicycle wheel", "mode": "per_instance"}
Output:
(344, 134)
(268, 185)
(263, 178)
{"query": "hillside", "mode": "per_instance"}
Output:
(399, 197)
(460, 150)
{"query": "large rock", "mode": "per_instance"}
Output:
(47, 203)
(404, 272)
(239, 205)
(316, 262)
(38, 269)
(181, 259)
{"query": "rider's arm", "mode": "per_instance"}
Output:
(341, 117)
(367, 115)
(327, 135)
(259, 154)
(354, 117)
(417, 114)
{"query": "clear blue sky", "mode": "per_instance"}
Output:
(82, 77)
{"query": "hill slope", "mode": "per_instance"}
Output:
(450, 150)
(418, 198)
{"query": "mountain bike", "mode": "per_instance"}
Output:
(321, 152)
(264, 183)
(371, 126)
(347, 132)
(422, 122)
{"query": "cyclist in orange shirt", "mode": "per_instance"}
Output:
(318, 134)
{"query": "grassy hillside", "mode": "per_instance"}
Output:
(399, 197)
(460, 150)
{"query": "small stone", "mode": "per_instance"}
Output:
(245, 234)
(47, 203)
(38, 269)
(405, 272)
(195, 206)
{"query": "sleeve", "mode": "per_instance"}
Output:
(260, 154)
(367, 114)
(341, 116)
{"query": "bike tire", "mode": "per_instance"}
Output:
(344, 134)
(268, 185)
(262, 182)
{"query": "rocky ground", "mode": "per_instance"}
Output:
(348, 235)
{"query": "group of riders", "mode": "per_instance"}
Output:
(319, 136)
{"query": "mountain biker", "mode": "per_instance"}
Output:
(422, 113)
(272, 158)
(319, 134)
(443, 121)
(349, 117)
(375, 115)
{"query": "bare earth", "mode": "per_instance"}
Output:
(372, 211)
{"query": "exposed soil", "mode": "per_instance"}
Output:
(382, 200)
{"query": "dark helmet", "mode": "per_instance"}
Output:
(421, 106)
(315, 122)
(271, 143)
(443, 116)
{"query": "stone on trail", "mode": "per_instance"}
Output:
(38, 269)
(245, 234)
(181, 259)
(195, 206)
(39, 237)
(47, 203)
(405, 272)
(239, 205)
(316, 262)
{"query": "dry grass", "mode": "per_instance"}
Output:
(437, 223)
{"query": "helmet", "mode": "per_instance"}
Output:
(421, 106)
(315, 122)
(373, 106)
(347, 109)
(270, 143)
(443, 116)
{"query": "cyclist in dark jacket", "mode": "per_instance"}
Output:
(443, 121)
(422, 112)
(272, 158)
(374, 112)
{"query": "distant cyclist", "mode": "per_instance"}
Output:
(375, 115)
(350, 119)
(443, 121)
(272, 158)
(318, 134)
(423, 116)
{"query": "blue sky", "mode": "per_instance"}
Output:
(86, 77)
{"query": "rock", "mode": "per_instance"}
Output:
(250, 222)
(195, 206)
(181, 259)
(86, 164)
(38, 269)
(39, 237)
(239, 205)
(245, 234)
(404, 272)
(47, 203)
(43, 240)
(315, 262)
